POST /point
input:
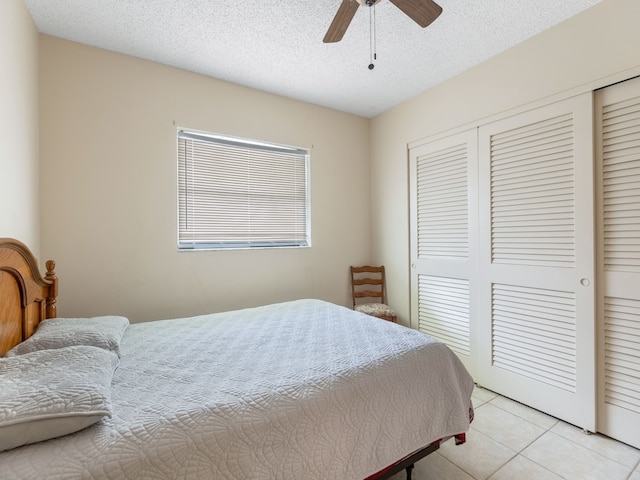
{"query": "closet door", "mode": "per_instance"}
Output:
(617, 116)
(443, 211)
(536, 263)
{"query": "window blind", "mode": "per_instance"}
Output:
(238, 193)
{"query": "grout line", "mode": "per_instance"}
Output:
(535, 463)
(503, 465)
(635, 468)
(457, 466)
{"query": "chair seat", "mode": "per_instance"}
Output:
(376, 310)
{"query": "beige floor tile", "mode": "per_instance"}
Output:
(505, 427)
(480, 457)
(481, 396)
(529, 414)
(613, 450)
(433, 467)
(571, 460)
(510, 441)
(521, 468)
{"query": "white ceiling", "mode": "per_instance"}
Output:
(276, 45)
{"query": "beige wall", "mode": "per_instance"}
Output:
(108, 161)
(597, 47)
(19, 212)
(108, 166)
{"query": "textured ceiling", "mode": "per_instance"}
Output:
(276, 45)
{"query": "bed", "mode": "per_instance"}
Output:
(295, 390)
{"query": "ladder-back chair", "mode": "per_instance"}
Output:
(368, 289)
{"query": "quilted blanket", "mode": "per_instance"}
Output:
(296, 390)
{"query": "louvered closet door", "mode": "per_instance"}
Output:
(443, 200)
(536, 265)
(618, 179)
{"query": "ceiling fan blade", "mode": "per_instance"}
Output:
(423, 12)
(341, 21)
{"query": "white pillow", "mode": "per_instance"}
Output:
(102, 332)
(50, 393)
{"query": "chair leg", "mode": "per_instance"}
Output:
(409, 469)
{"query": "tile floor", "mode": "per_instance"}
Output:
(509, 441)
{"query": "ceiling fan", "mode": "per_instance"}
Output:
(423, 12)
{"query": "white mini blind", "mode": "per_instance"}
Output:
(237, 193)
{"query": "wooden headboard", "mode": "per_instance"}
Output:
(26, 298)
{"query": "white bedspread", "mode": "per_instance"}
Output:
(297, 390)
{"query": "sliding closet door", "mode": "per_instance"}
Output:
(618, 180)
(536, 264)
(443, 210)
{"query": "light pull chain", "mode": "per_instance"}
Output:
(372, 36)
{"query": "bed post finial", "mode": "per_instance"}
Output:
(51, 308)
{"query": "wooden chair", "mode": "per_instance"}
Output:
(368, 282)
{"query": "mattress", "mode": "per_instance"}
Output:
(295, 390)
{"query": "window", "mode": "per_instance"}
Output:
(238, 193)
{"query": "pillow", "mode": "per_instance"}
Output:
(103, 332)
(50, 393)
